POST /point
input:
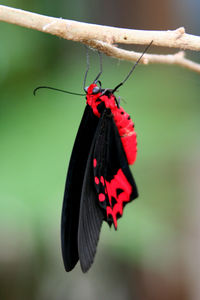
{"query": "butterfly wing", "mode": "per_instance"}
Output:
(108, 185)
(91, 218)
(91, 214)
(114, 182)
(73, 188)
(97, 188)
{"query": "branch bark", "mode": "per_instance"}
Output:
(104, 38)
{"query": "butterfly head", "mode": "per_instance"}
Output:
(93, 90)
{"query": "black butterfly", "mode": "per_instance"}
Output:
(99, 182)
(96, 158)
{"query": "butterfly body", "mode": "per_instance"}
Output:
(122, 120)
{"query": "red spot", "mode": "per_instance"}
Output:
(101, 197)
(96, 179)
(102, 180)
(94, 162)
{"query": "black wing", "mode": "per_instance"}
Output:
(89, 179)
(114, 182)
(103, 182)
(91, 214)
(91, 217)
(73, 188)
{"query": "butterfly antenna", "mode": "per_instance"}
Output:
(55, 89)
(87, 69)
(101, 68)
(132, 69)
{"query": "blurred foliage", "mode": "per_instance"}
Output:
(37, 135)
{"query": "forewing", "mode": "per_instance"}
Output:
(73, 188)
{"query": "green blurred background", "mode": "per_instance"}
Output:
(155, 253)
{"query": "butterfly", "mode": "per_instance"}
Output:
(99, 182)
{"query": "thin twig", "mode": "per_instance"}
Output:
(172, 59)
(104, 38)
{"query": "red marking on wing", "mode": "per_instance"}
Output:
(94, 162)
(118, 182)
(102, 197)
(96, 179)
(102, 180)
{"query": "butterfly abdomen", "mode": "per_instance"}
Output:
(127, 133)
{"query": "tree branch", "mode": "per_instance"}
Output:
(104, 38)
